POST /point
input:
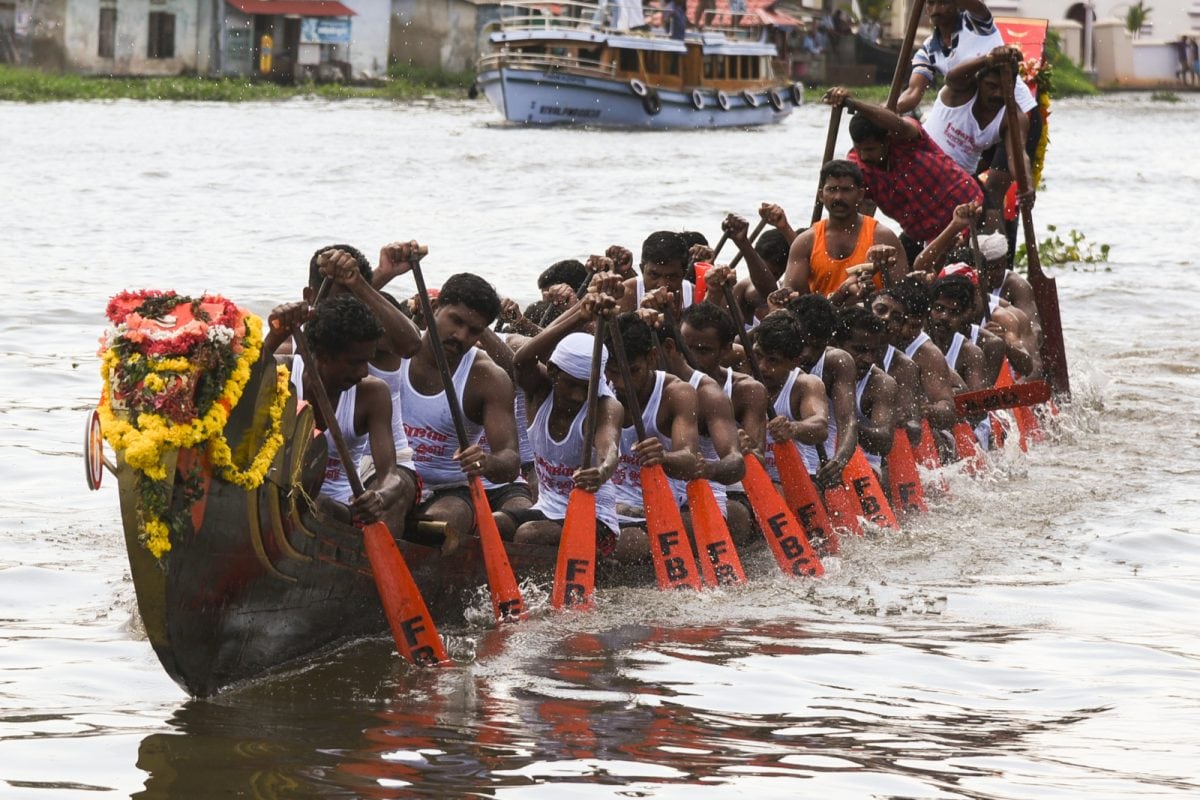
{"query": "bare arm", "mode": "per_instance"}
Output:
(935, 252)
(811, 411)
(910, 98)
(717, 412)
(681, 461)
(609, 414)
(938, 385)
(489, 401)
(841, 381)
(876, 431)
(374, 402)
(750, 406)
(889, 121)
(799, 264)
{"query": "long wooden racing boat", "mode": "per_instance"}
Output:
(260, 579)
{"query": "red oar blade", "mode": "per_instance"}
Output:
(803, 497)
(871, 499)
(575, 571)
(788, 540)
(506, 597)
(905, 481)
(416, 636)
(1010, 396)
(719, 562)
(670, 548)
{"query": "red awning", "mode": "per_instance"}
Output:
(302, 8)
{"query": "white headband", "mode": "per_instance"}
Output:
(993, 246)
(573, 355)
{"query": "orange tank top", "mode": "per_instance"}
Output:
(826, 274)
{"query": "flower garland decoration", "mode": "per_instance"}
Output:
(1040, 72)
(174, 367)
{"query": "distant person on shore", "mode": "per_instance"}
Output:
(907, 175)
(819, 259)
(1186, 51)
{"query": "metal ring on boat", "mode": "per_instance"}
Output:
(93, 450)
(775, 98)
(723, 100)
(652, 103)
(698, 99)
(751, 98)
(639, 88)
(798, 93)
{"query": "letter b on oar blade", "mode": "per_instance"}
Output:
(792, 551)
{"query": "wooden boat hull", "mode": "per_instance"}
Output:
(260, 579)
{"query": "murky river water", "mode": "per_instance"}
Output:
(1034, 637)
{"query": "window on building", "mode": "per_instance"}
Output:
(161, 43)
(108, 32)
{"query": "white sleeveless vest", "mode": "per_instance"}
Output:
(830, 444)
(430, 427)
(958, 133)
(556, 461)
(628, 477)
(392, 379)
(783, 408)
(337, 484)
(874, 459)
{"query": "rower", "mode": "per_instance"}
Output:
(861, 335)
(553, 368)
(708, 332)
(663, 264)
(835, 369)
(467, 306)
(721, 461)
(952, 299)
(669, 414)
(343, 336)
(799, 409)
(820, 257)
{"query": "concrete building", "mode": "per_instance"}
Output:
(283, 38)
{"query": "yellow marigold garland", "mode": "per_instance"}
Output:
(146, 441)
(253, 476)
(1039, 158)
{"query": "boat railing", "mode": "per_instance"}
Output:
(579, 66)
(611, 16)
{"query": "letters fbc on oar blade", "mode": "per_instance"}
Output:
(789, 540)
(575, 570)
(1013, 395)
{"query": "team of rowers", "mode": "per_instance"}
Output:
(857, 335)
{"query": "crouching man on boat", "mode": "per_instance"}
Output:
(554, 368)
(343, 334)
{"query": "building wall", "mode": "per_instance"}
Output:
(193, 28)
(436, 33)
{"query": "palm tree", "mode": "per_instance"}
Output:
(1136, 17)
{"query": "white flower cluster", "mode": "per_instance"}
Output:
(221, 334)
(110, 335)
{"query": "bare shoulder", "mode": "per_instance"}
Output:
(488, 377)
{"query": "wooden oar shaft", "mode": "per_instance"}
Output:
(1016, 148)
(439, 355)
(677, 332)
(743, 334)
(631, 399)
(758, 229)
(831, 137)
(327, 413)
(910, 34)
(720, 243)
(593, 397)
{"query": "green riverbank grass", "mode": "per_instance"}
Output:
(404, 83)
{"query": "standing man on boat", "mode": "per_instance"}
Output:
(343, 336)
(907, 176)
(819, 258)
(968, 120)
(467, 306)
